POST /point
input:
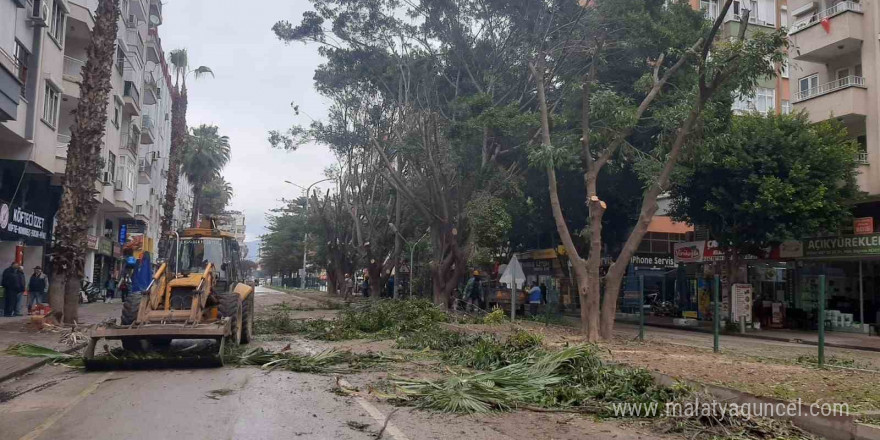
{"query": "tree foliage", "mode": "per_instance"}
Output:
(769, 179)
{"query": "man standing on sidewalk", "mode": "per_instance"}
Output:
(37, 288)
(13, 286)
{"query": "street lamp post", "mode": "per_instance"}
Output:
(412, 252)
(306, 235)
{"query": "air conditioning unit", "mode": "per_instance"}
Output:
(117, 185)
(40, 14)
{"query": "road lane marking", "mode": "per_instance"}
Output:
(375, 414)
(39, 430)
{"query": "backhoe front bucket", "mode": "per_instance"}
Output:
(154, 348)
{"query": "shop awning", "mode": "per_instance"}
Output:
(664, 224)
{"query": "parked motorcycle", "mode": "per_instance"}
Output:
(89, 293)
(660, 307)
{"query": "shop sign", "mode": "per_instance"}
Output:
(117, 250)
(543, 254)
(791, 249)
(742, 302)
(652, 260)
(22, 223)
(538, 266)
(689, 251)
(92, 242)
(842, 246)
(863, 226)
(123, 233)
(105, 246)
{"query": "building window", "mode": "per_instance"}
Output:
(709, 8)
(110, 174)
(763, 100)
(786, 107)
(120, 59)
(783, 17)
(783, 69)
(51, 102)
(22, 60)
(117, 112)
(56, 22)
(808, 86)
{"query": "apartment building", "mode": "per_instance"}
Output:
(771, 94)
(233, 222)
(834, 52)
(42, 51)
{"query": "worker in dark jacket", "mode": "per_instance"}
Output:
(13, 286)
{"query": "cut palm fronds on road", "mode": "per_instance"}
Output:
(37, 351)
(501, 389)
(325, 362)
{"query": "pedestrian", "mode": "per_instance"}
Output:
(535, 297)
(365, 286)
(349, 285)
(111, 288)
(124, 287)
(37, 288)
(543, 293)
(473, 291)
(13, 286)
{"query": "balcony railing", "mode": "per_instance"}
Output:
(73, 66)
(831, 87)
(130, 141)
(862, 158)
(827, 13)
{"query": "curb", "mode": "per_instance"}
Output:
(37, 364)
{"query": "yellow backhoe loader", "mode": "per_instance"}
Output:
(198, 292)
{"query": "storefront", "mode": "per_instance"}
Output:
(105, 262)
(24, 234)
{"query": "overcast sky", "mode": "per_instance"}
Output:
(256, 79)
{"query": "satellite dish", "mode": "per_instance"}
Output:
(154, 20)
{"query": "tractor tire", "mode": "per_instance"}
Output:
(129, 315)
(230, 305)
(247, 319)
(130, 308)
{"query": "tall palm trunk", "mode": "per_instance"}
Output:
(197, 202)
(175, 157)
(83, 153)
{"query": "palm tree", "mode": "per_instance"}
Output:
(179, 60)
(215, 196)
(205, 155)
(83, 153)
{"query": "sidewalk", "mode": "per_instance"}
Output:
(14, 330)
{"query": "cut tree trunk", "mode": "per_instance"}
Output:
(175, 154)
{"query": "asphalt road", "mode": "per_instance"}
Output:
(243, 403)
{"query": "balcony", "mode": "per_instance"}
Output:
(61, 146)
(150, 94)
(132, 98)
(130, 141)
(843, 98)
(72, 76)
(862, 158)
(152, 48)
(148, 131)
(135, 43)
(844, 35)
(145, 170)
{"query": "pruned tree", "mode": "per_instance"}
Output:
(608, 119)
